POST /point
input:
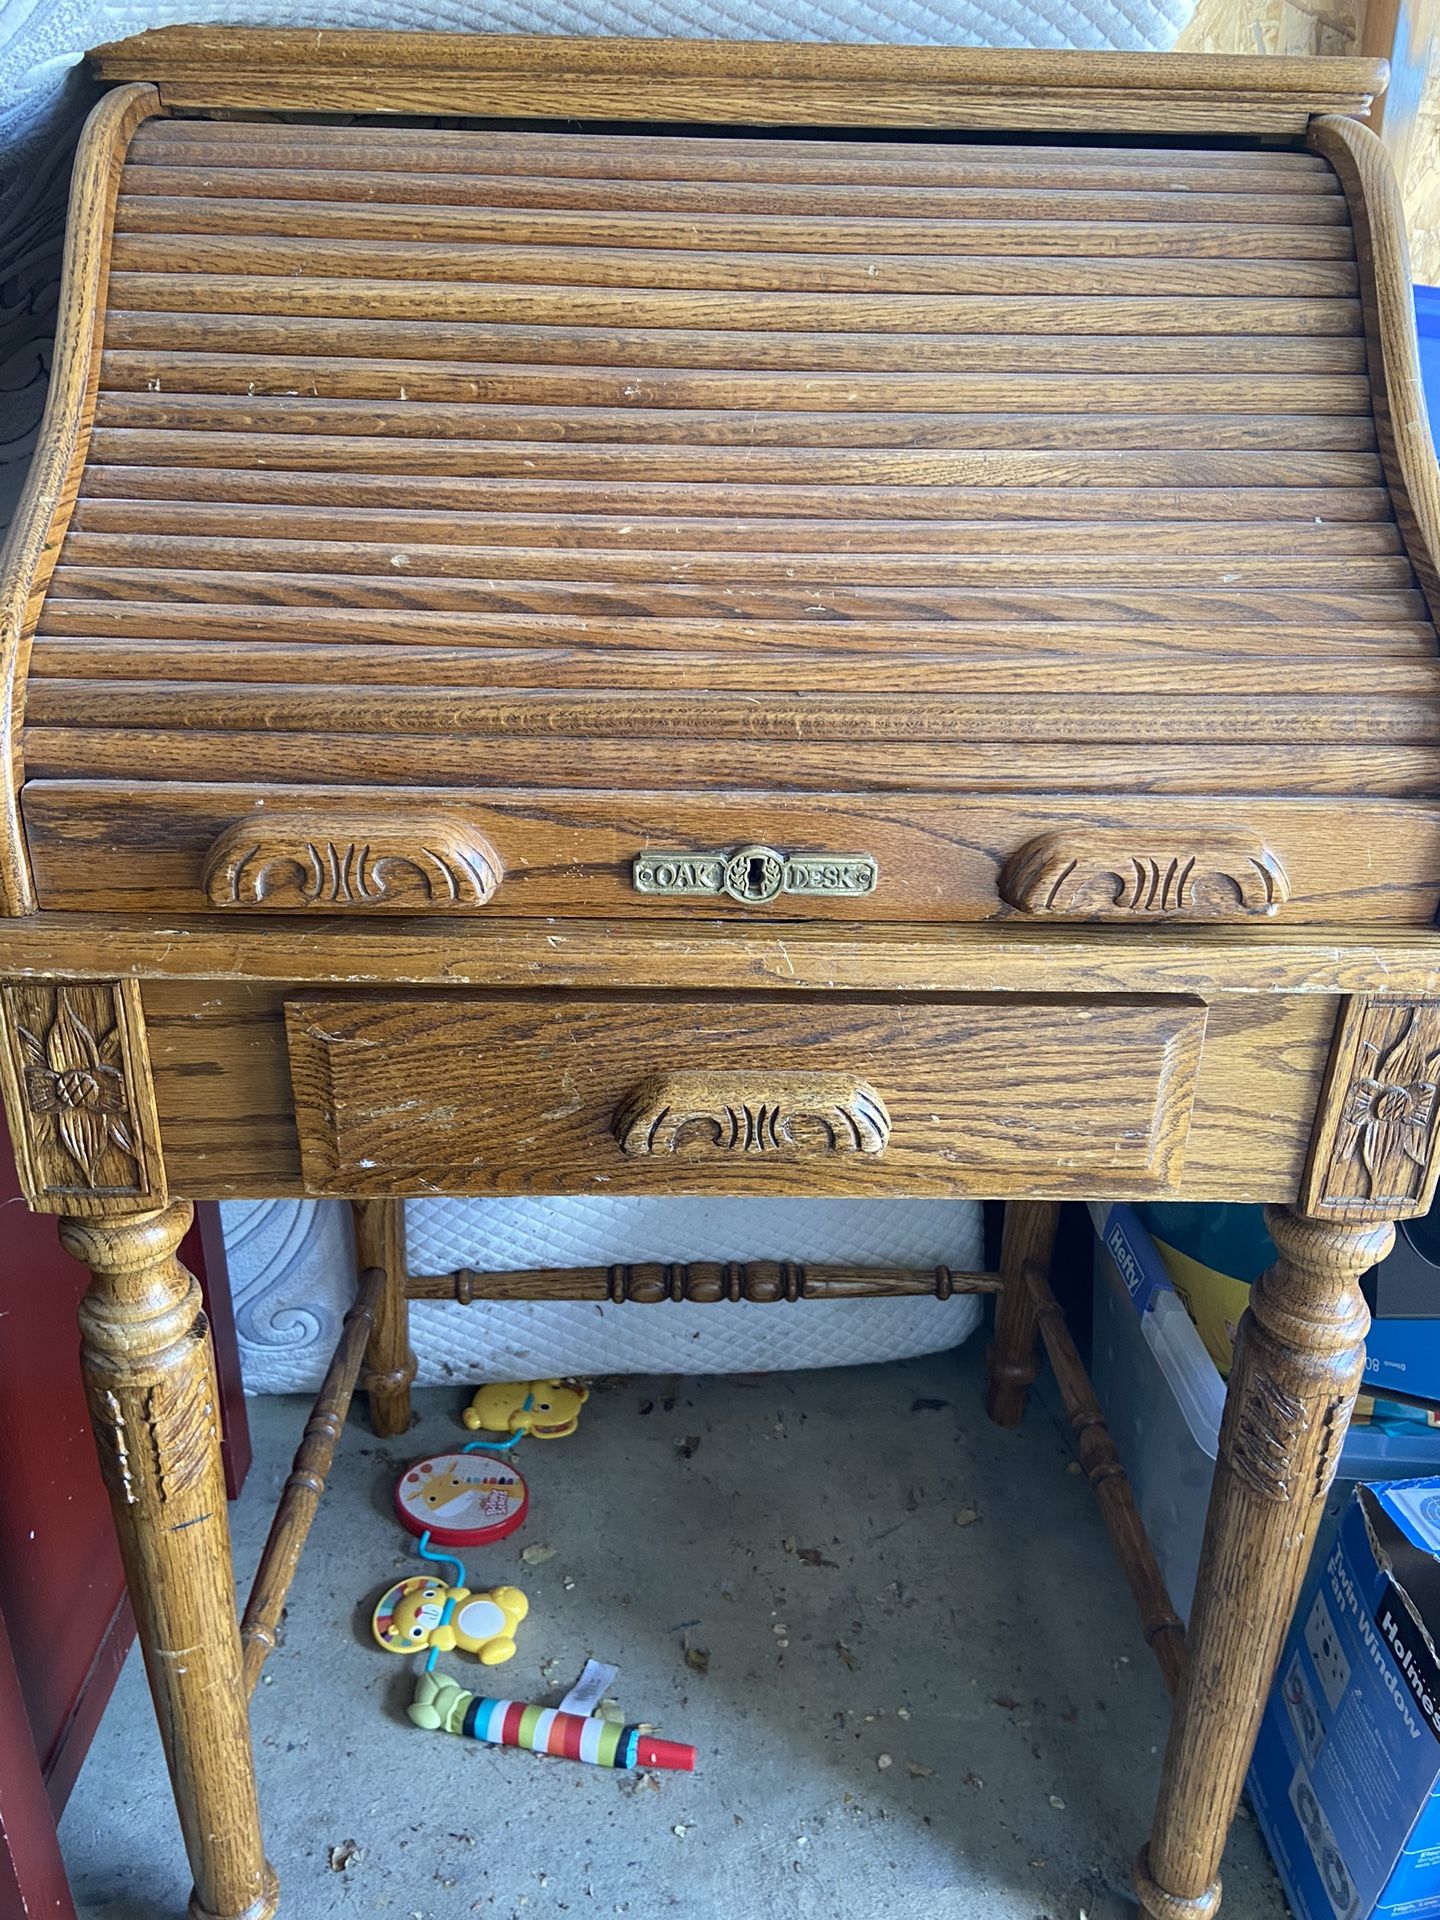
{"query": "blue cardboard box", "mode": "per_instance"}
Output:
(1404, 1355)
(1346, 1776)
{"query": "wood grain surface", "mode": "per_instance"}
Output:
(222, 1079)
(75, 1079)
(150, 1381)
(1260, 961)
(32, 543)
(1044, 523)
(1299, 1359)
(752, 82)
(451, 460)
(1405, 440)
(140, 847)
(1374, 1155)
(469, 1094)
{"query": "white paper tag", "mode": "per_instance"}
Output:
(590, 1689)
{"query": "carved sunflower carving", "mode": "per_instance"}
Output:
(76, 1079)
(1390, 1110)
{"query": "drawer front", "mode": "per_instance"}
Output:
(818, 1094)
(846, 856)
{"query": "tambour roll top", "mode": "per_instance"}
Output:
(523, 522)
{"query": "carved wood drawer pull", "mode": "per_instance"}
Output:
(740, 1113)
(1106, 874)
(413, 863)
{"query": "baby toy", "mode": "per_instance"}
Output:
(462, 1499)
(546, 1409)
(442, 1706)
(423, 1615)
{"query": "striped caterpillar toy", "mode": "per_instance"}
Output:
(442, 1706)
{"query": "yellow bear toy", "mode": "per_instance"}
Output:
(422, 1612)
(547, 1409)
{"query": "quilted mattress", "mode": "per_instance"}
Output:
(292, 1272)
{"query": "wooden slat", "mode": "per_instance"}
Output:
(1270, 976)
(402, 528)
(1121, 627)
(1310, 504)
(1134, 196)
(1395, 719)
(871, 276)
(800, 466)
(839, 602)
(592, 428)
(829, 102)
(730, 348)
(804, 573)
(339, 377)
(195, 203)
(749, 83)
(189, 754)
(943, 670)
(441, 300)
(694, 156)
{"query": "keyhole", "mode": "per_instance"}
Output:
(755, 875)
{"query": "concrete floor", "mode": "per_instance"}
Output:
(964, 1724)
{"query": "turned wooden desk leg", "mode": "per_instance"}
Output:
(1299, 1356)
(150, 1378)
(389, 1369)
(1014, 1357)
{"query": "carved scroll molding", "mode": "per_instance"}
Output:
(1373, 1155)
(76, 1079)
(741, 1113)
(1104, 874)
(402, 863)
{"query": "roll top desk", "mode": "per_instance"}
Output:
(807, 620)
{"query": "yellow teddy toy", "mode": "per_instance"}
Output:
(422, 1612)
(547, 1409)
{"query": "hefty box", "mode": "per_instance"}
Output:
(1346, 1776)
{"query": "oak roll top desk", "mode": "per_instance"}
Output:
(663, 617)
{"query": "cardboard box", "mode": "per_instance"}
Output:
(1346, 1776)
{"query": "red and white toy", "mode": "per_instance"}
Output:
(462, 1499)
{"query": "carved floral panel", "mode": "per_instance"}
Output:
(1375, 1148)
(77, 1088)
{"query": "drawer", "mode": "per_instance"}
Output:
(805, 1094)
(911, 857)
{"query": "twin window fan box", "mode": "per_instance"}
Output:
(672, 617)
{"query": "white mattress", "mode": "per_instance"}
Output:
(292, 1273)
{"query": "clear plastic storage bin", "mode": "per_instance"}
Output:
(1163, 1397)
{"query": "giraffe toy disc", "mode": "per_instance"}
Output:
(462, 1499)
